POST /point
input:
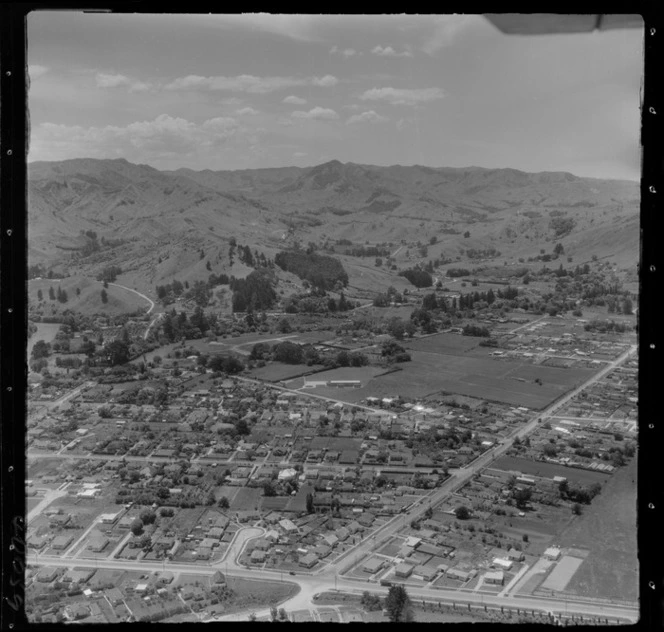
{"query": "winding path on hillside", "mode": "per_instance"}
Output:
(149, 300)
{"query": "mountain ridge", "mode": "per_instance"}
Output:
(152, 212)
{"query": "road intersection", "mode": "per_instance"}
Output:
(332, 578)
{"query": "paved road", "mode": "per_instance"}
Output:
(48, 498)
(464, 474)
(328, 578)
(311, 585)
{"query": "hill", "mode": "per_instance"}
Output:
(159, 225)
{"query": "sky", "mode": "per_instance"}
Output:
(226, 92)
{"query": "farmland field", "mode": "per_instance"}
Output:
(364, 374)
(277, 371)
(451, 344)
(510, 382)
(549, 470)
(608, 529)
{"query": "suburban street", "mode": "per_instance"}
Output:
(310, 585)
(331, 577)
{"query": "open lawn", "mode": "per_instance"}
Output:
(549, 470)
(249, 592)
(247, 498)
(608, 529)
(562, 573)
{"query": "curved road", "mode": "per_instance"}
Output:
(149, 300)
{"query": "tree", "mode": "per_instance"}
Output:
(462, 512)
(558, 249)
(576, 509)
(466, 234)
(310, 503)
(147, 516)
(137, 527)
(40, 295)
(51, 293)
(284, 326)
(41, 349)
(522, 496)
(268, 489)
(104, 296)
(396, 327)
(563, 488)
(398, 605)
(117, 352)
(223, 503)
(289, 352)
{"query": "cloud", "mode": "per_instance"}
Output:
(346, 52)
(164, 136)
(35, 71)
(316, 113)
(248, 111)
(326, 82)
(400, 96)
(104, 80)
(388, 51)
(111, 81)
(367, 117)
(446, 29)
(302, 28)
(247, 83)
(293, 100)
(300, 154)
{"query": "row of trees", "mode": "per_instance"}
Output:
(60, 295)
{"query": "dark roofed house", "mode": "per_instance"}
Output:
(342, 534)
(349, 457)
(366, 519)
(114, 595)
(309, 560)
(62, 541)
(258, 556)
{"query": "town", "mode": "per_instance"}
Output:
(161, 488)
